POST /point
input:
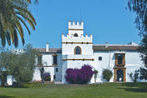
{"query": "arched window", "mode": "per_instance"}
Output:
(78, 50)
(75, 35)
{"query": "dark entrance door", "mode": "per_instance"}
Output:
(120, 75)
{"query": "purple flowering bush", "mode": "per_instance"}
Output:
(46, 76)
(79, 76)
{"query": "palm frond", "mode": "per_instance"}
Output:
(14, 13)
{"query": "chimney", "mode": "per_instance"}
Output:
(47, 47)
(106, 45)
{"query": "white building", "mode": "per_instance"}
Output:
(78, 49)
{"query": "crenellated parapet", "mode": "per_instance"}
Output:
(75, 33)
(75, 29)
(75, 25)
(82, 38)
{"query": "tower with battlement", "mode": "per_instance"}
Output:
(75, 28)
(77, 47)
(76, 38)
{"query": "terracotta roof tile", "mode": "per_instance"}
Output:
(115, 47)
(51, 50)
(97, 48)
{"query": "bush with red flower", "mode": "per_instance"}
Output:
(79, 76)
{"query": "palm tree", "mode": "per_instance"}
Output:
(13, 16)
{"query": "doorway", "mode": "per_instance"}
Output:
(120, 75)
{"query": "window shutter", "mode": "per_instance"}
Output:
(54, 59)
(116, 59)
(40, 60)
(123, 59)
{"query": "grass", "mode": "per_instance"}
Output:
(106, 90)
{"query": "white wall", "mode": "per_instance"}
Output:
(132, 60)
(59, 66)
(9, 80)
(68, 49)
(37, 74)
(47, 61)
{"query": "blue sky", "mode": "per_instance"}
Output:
(107, 20)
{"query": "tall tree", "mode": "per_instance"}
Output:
(14, 14)
(139, 7)
(143, 48)
(20, 66)
(143, 51)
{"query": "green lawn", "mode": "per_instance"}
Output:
(109, 90)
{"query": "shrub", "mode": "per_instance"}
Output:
(17, 84)
(46, 76)
(143, 73)
(107, 74)
(79, 76)
(134, 76)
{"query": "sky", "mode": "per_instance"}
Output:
(107, 20)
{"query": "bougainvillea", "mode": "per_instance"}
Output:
(46, 76)
(79, 76)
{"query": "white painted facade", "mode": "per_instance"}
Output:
(99, 57)
(90, 53)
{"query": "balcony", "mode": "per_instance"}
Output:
(120, 59)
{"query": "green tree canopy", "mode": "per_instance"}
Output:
(21, 66)
(139, 7)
